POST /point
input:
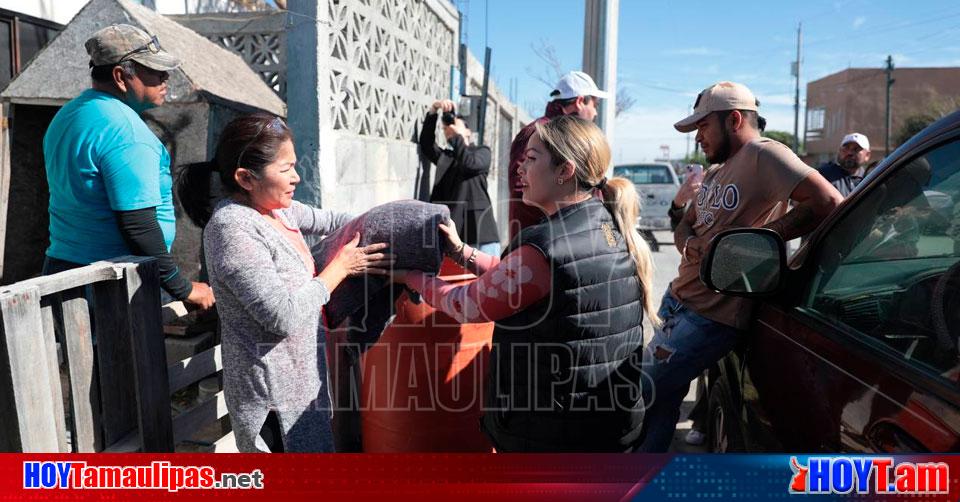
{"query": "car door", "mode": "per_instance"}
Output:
(861, 353)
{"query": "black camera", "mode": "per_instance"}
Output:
(448, 118)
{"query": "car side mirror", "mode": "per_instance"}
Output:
(745, 262)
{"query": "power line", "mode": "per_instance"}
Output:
(663, 88)
(882, 30)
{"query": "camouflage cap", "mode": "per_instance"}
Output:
(122, 42)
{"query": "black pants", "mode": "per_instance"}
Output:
(55, 265)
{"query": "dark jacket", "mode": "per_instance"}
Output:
(462, 185)
(565, 372)
(840, 177)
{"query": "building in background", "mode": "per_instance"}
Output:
(854, 100)
(21, 38)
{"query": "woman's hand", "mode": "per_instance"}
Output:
(354, 260)
(452, 243)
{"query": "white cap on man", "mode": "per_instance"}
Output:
(577, 83)
(857, 138)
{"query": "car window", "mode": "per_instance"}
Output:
(645, 175)
(890, 269)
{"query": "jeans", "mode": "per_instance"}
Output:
(490, 248)
(681, 349)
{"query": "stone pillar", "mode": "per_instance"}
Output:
(600, 56)
(308, 94)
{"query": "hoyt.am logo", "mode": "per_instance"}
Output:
(880, 475)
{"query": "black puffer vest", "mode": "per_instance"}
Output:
(565, 372)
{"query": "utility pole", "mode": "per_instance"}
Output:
(307, 44)
(796, 96)
(600, 56)
(890, 81)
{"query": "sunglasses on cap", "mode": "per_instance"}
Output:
(153, 46)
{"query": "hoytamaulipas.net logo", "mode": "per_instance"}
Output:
(159, 475)
(864, 475)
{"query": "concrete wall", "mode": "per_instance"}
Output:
(503, 120)
(382, 66)
(387, 62)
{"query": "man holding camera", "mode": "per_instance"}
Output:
(461, 181)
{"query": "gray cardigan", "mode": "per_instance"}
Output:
(271, 329)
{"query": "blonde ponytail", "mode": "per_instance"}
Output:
(620, 197)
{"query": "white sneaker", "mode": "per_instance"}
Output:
(695, 437)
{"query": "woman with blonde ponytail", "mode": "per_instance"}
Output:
(568, 299)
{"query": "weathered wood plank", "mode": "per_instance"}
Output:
(118, 392)
(142, 279)
(129, 443)
(192, 369)
(51, 336)
(4, 175)
(173, 311)
(69, 279)
(26, 408)
(84, 389)
(186, 424)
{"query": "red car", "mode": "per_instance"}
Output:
(854, 347)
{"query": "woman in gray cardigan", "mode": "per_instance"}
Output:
(268, 289)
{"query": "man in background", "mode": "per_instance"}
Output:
(575, 94)
(847, 171)
(109, 175)
(462, 170)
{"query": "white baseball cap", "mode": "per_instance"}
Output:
(857, 138)
(577, 83)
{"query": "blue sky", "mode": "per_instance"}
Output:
(669, 51)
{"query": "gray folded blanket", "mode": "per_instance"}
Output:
(410, 227)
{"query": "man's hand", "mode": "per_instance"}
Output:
(201, 295)
(694, 248)
(443, 105)
(816, 198)
(688, 189)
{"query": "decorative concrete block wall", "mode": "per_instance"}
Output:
(388, 61)
(379, 66)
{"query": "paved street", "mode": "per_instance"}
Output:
(666, 261)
